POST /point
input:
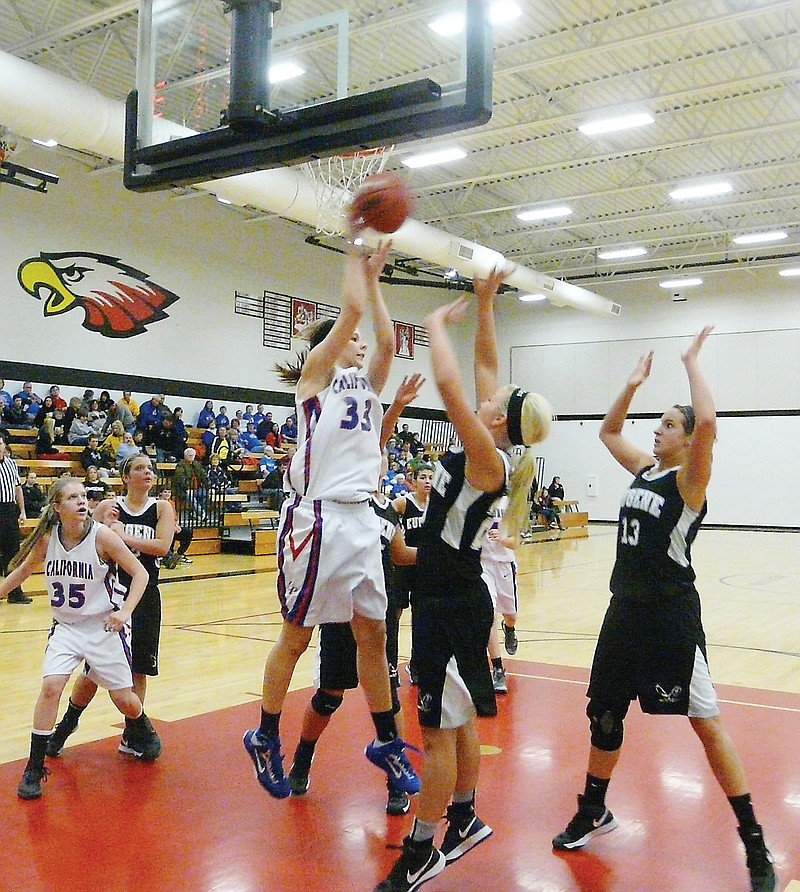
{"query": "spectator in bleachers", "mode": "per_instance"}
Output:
(182, 537)
(97, 417)
(46, 409)
(5, 396)
(93, 457)
(555, 489)
(29, 398)
(271, 484)
(33, 495)
(69, 417)
(189, 482)
(16, 415)
(239, 416)
(46, 441)
(80, 430)
(405, 436)
(543, 506)
(289, 429)
(235, 451)
(249, 441)
(222, 419)
(209, 435)
(122, 413)
(131, 403)
(247, 415)
(258, 417)
(274, 438)
(58, 401)
(151, 414)
(112, 442)
(88, 396)
(180, 428)
(126, 449)
(218, 480)
(207, 415)
(169, 447)
(96, 488)
(264, 426)
(104, 401)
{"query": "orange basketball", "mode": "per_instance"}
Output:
(382, 202)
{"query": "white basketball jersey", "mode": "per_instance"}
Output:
(78, 582)
(493, 549)
(338, 454)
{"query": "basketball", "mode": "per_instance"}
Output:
(382, 202)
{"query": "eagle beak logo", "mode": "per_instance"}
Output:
(118, 300)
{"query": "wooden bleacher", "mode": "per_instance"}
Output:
(575, 521)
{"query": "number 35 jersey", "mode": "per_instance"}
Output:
(338, 453)
(654, 540)
(80, 585)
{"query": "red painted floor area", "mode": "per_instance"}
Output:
(197, 820)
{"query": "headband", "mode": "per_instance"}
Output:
(514, 416)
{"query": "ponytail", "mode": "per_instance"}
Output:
(530, 417)
(289, 372)
(48, 520)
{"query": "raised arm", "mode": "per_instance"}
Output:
(629, 456)
(485, 469)
(487, 363)
(694, 475)
(382, 325)
(407, 392)
(317, 368)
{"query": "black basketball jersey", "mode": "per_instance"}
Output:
(654, 539)
(411, 520)
(143, 526)
(457, 519)
(389, 519)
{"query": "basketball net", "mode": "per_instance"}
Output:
(336, 180)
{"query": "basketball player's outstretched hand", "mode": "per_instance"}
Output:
(697, 343)
(409, 389)
(448, 314)
(376, 261)
(642, 371)
(485, 289)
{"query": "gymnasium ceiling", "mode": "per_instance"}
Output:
(721, 78)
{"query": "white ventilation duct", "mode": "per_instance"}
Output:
(36, 103)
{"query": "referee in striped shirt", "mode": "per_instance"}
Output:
(12, 514)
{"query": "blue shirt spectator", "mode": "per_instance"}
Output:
(207, 415)
(222, 419)
(5, 396)
(259, 415)
(289, 429)
(249, 441)
(150, 414)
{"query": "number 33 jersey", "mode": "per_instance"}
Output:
(338, 453)
(80, 585)
(654, 539)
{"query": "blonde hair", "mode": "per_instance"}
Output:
(49, 426)
(535, 421)
(48, 519)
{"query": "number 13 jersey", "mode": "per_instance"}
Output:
(654, 539)
(338, 453)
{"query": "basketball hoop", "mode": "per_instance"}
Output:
(336, 180)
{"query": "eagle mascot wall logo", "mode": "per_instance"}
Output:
(118, 300)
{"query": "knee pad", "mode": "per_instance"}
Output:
(606, 724)
(325, 704)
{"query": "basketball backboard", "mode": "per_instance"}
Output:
(356, 75)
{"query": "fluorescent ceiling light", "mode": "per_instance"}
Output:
(700, 191)
(758, 237)
(790, 273)
(622, 252)
(284, 71)
(47, 143)
(623, 122)
(560, 210)
(439, 156)
(680, 283)
(454, 22)
(224, 200)
(531, 298)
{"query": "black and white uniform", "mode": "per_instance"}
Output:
(9, 517)
(500, 567)
(146, 620)
(652, 644)
(453, 612)
(83, 590)
(329, 553)
(411, 521)
(337, 645)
